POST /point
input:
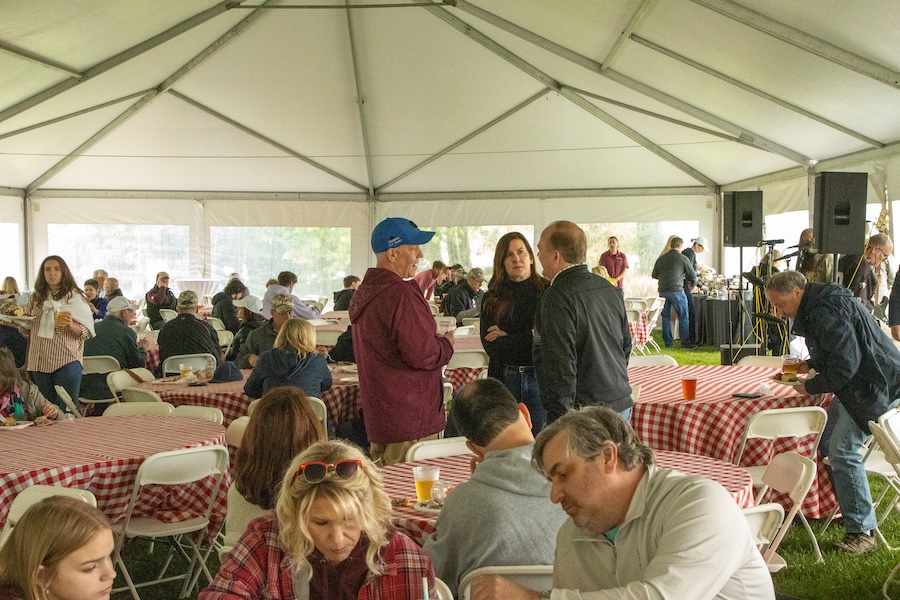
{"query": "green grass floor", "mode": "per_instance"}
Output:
(841, 576)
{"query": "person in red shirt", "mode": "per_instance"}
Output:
(616, 263)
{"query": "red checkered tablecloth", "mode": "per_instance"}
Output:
(342, 400)
(398, 482)
(713, 424)
(103, 455)
(640, 330)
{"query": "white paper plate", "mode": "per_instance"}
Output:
(794, 384)
(347, 379)
(21, 425)
(420, 506)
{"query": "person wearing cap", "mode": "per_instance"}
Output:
(113, 337)
(581, 342)
(398, 350)
(186, 333)
(159, 296)
(249, 309)
(616, 263)
(464, 300)
(698, 246)
(263, 338)
(285, 285)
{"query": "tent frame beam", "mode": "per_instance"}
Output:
(360, 102)
(802, 40)
(636, 18)
(746, 136)
(37, 58)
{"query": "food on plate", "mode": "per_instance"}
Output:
(404, 501)
(8, 422)
(12, 310)
(42, 420)
(787, 377)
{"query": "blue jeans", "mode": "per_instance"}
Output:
(68, 376)
(851, 486)
(679, 301)
(522, 382)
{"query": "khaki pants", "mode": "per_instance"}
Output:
(390, 454)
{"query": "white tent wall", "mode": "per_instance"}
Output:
(12, 242)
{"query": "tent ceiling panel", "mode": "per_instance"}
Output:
(23, 78)
(26, 156)
(296, 82)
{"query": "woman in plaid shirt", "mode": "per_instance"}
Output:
(329, 539)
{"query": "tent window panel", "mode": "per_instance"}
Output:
(642, 243)
(133, 254)
(11, 251)
(469, 245)
(319, 256)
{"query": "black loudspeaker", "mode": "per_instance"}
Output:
(839, 223)
(743, 219)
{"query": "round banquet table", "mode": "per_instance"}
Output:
(103, 455)
(713, 423)
(398, 482)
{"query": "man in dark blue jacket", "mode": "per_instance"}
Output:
(859, 364)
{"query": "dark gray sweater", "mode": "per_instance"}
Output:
(672, 269)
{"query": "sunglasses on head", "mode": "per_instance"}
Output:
(314, 472)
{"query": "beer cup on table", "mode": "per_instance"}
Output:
(425, 477)
(688, 387)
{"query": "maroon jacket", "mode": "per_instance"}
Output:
(399, 357)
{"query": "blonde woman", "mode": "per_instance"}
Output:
(292, 361)
(329, 539)
(59, 550)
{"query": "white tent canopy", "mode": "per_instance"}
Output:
(208, 113)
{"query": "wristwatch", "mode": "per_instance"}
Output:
(545, 595)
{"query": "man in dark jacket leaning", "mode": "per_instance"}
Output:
(859, 364)
(672, 270)
(582, 341)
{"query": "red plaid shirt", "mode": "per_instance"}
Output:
(258, 568)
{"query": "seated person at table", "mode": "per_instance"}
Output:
(16, 389)
(248, 313)
(61, 549)
(186, 334)
(282, 426)
(330, 537)
(343, 347)
(285, 285)
(159, 296)
(292, 361)
(635, 531)
(342, 298)
(111, 288)
(503, 514)
(263, 338)
(96, 303)
(223, 304)
(10, 336)
(113, 337)
(464, 300)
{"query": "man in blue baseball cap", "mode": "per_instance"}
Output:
(397, 348)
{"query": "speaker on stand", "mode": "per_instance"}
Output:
(743, 226)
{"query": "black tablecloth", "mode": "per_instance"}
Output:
(711, 317)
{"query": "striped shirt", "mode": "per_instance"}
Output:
(47, 355)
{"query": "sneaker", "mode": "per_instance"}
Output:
(856, 543)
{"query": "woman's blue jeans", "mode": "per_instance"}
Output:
(68, 376)
(522, 382)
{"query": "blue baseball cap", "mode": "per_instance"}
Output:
(395, 232)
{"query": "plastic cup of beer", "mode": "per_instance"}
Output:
(790, 364)
(688, 388)
(185, 369)
(61, 318)
(425, 478)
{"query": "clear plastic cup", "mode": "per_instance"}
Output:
(425, 477)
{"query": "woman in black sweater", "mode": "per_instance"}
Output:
(507, 318)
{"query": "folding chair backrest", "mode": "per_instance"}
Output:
(321, 412)
(34, 494)
(186, 465)
(464, 331)
(784, 423)
(764, 520)
(445, 321)
(633, 315)
(887, 441)
(167, 314)
(117, 380)
(653, 360)
(206, 413)
(434, 309)
(100, 364)
(136, 394)
(216, 323)
(327, 337)
(152, 409)
(534, 577)
(443, 590)
(760, 361)
(252, 407)
(437, 448)
(197, 362)
(225, 338)
(473, 359)
(235, 432)
(474, 321)
(447, 395)
(67, 400)
(791, 474)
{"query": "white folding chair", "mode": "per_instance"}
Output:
(225, 338)
(443, 590)
(473, 359)
(633, 315)
(534, 577)
(34, 494)
(235, 432)
(167, 314)
(136, 394)
(99, 365)
(327, 337)
(474, 321)
(760, 361)
(636, 303)
(765, 521)
(434, 309)
(217, 324)
(885, 433)
(150, 409)
(67, 400)
(252, 407)
(445, 322)
(464, 331)
(174, 468)
(197, 361)
(791, 474)
(321, 412)
(658, 360)
(437, 448)
(653, 313)
(320, 322)
(205, 413)
(118, 380)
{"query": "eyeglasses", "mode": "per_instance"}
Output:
(315, 472)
